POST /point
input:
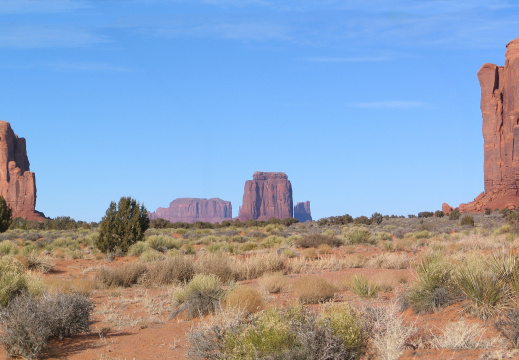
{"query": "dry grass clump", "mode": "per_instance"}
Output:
(313, 289)
(224, 267)
(310, 254)
(245, 298)
(179, 269)
(461, 335)
(123, 276)
(315, 240)
(255, 266)
(69, 286)
(39, 262)
(388, 332)
(8, 247)
(389, 261)
(273, 282)
(324, 249)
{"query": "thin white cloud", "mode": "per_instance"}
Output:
(26, 37)
(389, 105)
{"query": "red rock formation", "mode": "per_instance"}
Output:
(268, 195)
(500, 110)
(446, 208)
(17, 183)
(302, 211)
(193, 210)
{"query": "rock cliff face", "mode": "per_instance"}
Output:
(302, 211)
(17, 183)
(268, 195)
(500, 110)
(193, 210)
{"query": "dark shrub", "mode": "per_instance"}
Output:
(455, 214)
(439, 214)
(376, 218)
(467, 220)
(488, 211)
(425, 214)
(29, 323)
(314, 240)
(362, 220)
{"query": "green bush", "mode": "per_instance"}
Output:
(12, 280)
(122, 226)
(5, 215)
(163, 243)
(199, 297)
(7, 247)
(359, 236)
(467, 220)
(283, 334)
(435, 287)
(362, 287)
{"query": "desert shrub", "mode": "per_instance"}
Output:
(29, 323)
(310, 254)
(424, 234)
(486, 295)
(455, 214)
(467, 220)
(314, 240)
(12, 280)
(245, 298)
(506, 228)
(508, 326)
(122, 226)
(434, 289)
(271, 241)
(151, 255)
(313, 289)
(248, 246)
(220, 265)
(388, 332)
(257, 265)
(69, 286)
(39, 262)
(7, 247)
(359, 236)
(324, 249)
(163, 243)
(199, 297)
(439, 214)
(389, 261)
(178, 269)
(461, 335)
(362, 220)
(281, 334)
(123, 276)
(138, 248)
(363, 288)
(273, 282)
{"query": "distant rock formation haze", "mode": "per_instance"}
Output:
(17, 182)
(500, 110)
(192, 210)
(268, 195)
(302, 211)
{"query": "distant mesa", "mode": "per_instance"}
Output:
(17, 183)
(500, 110)
(302, 211)
(192, 210)
(268, 195)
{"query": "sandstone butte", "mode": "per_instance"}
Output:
(17, 182)
(302, 211)
(500, 111)
(268, 195)
(192, 210)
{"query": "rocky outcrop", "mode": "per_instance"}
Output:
(302, 211)
(17, 182)
(192, 210)
(268, 195)
(500, 110)
(446, 208)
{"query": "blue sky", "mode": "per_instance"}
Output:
(366, 105)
